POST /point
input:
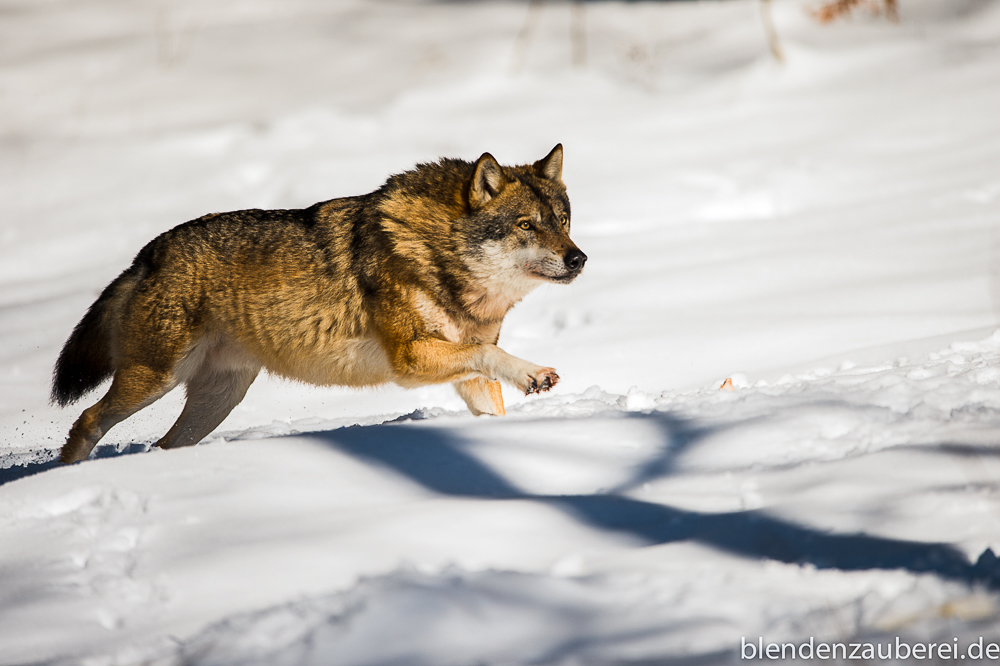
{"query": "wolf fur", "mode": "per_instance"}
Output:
(408, 284)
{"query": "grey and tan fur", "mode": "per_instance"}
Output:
(408, 284)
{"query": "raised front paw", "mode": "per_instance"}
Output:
(540, 379)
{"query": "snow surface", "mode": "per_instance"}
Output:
(823, 231)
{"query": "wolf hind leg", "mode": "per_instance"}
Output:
(212, 394)
(481, 395)
(133, 387)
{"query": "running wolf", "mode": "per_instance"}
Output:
(408, 284)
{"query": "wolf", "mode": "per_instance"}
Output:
(407, 284)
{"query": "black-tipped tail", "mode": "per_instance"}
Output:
(85, 359)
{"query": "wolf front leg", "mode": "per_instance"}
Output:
(481, 396)
(435, 361)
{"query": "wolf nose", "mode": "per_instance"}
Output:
(575, 259)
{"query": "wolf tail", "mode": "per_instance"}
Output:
(85, 360)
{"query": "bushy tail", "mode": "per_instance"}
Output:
(85, 360)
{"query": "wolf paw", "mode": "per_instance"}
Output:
(540, 380)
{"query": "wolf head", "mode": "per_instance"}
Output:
(517, 233)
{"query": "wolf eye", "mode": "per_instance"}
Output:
(524, 224)
(564, 220)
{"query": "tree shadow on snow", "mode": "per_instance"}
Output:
(8, 474)
(15, 472)
(437, 460)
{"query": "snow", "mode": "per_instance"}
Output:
(822, 231)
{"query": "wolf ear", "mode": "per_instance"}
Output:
(550, 166)
(486, 181)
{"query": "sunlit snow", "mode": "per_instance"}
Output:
(825, 231)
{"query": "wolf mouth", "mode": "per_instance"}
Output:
(564, 278)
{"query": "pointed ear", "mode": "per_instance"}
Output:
(550, 166)
(487, 181)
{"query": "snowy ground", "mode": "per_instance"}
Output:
(825, 231)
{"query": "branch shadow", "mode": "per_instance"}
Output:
(957, 449)
(678, 436)
(436, 459)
